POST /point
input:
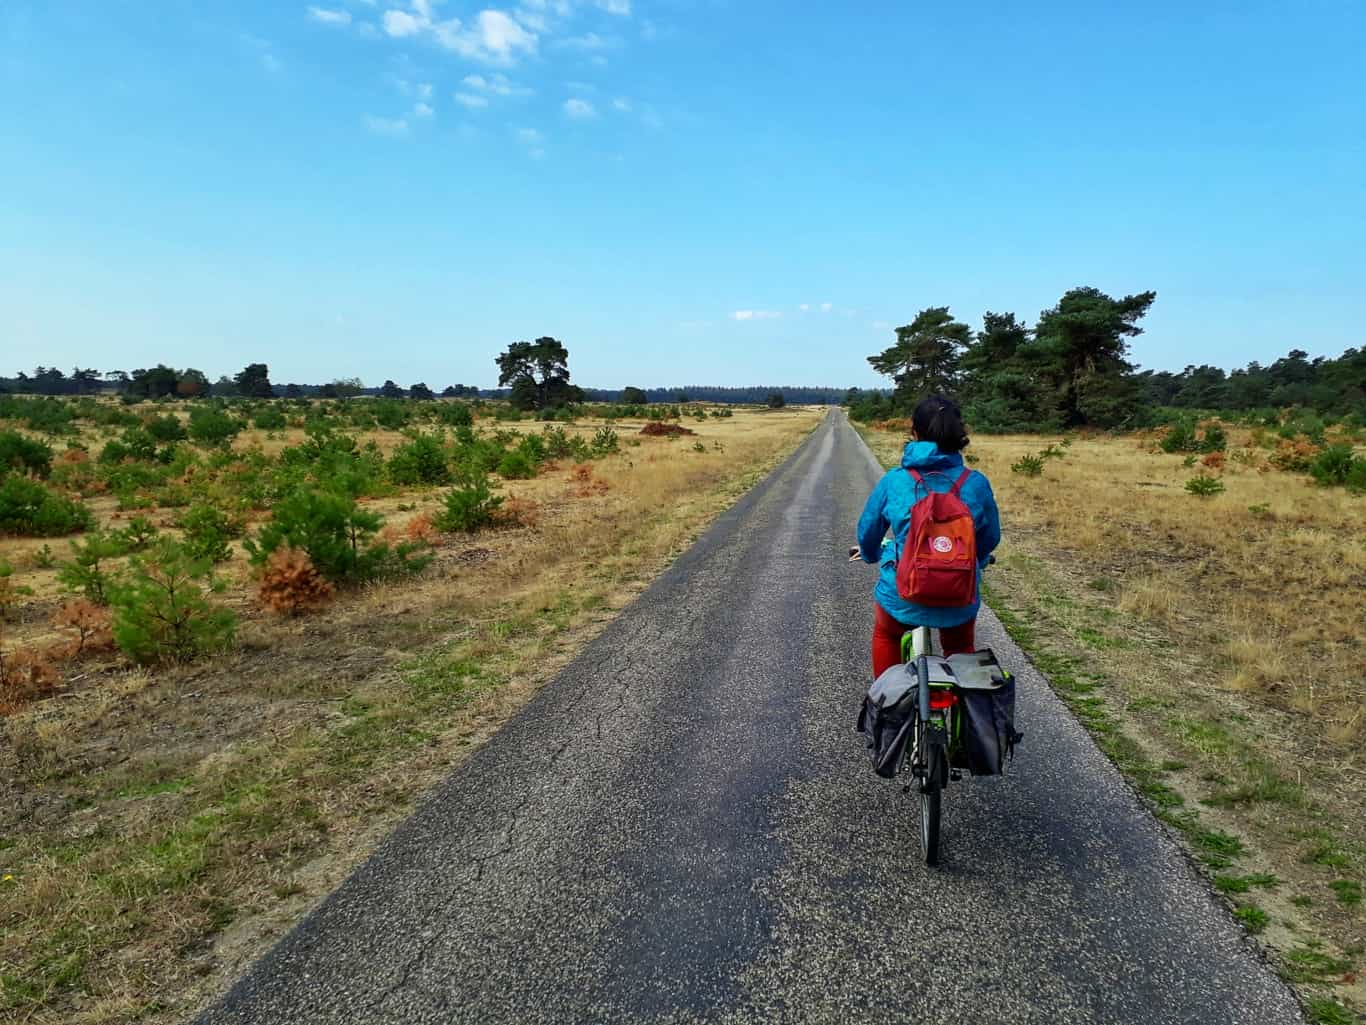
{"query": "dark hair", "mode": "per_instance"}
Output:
(938, 419)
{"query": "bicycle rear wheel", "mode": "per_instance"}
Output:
(931, 803)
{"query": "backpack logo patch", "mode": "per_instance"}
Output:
(942, 544)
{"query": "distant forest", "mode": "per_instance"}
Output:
(1072, 369)
(254, 382)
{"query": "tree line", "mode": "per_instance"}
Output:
(531, 375)
(1072, 369)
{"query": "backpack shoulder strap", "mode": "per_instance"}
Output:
(916, 474)
(958, 484)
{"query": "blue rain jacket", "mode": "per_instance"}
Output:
(890, 506)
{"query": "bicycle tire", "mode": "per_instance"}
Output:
(931, 806)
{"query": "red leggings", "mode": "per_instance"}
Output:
(887, 634)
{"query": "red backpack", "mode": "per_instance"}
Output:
(938, 564)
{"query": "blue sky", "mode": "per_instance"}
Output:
(682, 192)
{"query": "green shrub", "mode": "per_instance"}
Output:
(166, 428)
(331, 460)
(338, 536)
(470, 505)
(161, 609)
(86, 573)
(516, 465)
(24, 455)
(533, 446)
(422, 459)
(212, 427)
(1029, 466)
(1356, 477)
(207, 531)
(269, 418)
(1183, 437)
(1332, 465)
(390, 413)
(560, 445)
(1205, 485)
(137, 535)
(605, 442)
(454, 414)
(32, 510)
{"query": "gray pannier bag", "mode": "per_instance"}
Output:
(986, 694)
(886, 718)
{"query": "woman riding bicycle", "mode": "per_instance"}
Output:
(938, 438)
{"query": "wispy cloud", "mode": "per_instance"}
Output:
(621, 7)
(755, 315)
(533, 141)
(394, 128)
(587, 42)
(494, 85)
(471, 101)
(826, 307)
(622, 104)
(329, 17)
(579, 109)
(491, 37)
(421, 109)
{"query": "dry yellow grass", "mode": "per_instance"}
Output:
(165, 827)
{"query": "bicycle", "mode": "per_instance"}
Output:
(935, 735)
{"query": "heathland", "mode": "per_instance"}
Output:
(240, 639)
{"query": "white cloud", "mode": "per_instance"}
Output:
(804, 307)
(529, 136)
(329, 17)
(622, 104)
(471, 101)
(826, 307)
(401, 24)
(622, 7)
(579, 109)
(755, 315)
(495, 85)
(589, 41)
(392, 127)
(421, 109)
(493, 36)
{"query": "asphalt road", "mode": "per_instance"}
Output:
(683, 827)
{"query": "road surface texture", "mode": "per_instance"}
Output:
(682, 827)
